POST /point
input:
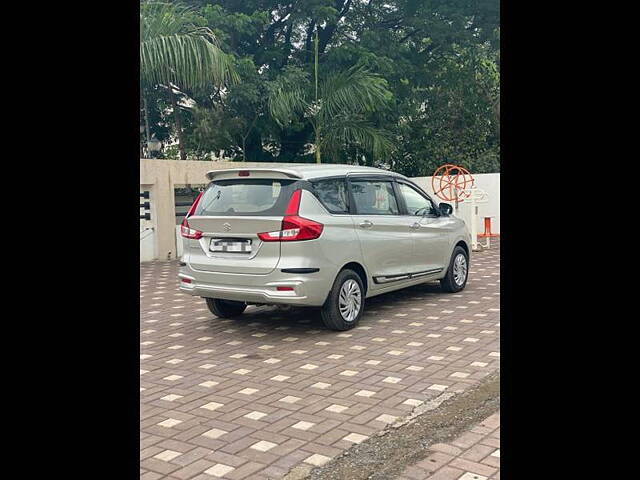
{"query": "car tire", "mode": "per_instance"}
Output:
(458, 271)
(225, 308)
(343, 312)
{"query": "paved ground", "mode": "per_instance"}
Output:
(475, 455)
(254, 397)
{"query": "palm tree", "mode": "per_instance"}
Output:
(336, 108)
(176, 53)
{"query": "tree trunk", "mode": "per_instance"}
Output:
(177, 113)
(146, 117)
(244, 137)
(317, 127)
(146, 123)
(307, 43)
(255, 152)
(327, 32)
(287, 44)
(292, 143)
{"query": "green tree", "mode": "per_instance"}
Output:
(336, 109)
(237, 121)
(177, 53)
(440, 60)
(453, 117)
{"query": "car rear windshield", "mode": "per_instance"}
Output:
(259, 197)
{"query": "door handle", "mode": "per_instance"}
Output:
(366, 224)
(416, 225)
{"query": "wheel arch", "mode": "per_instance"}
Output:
(459, 242)
(465, 247)
(360, 270)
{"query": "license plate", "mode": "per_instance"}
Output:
(230, 246)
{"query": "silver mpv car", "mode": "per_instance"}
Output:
(326, 236)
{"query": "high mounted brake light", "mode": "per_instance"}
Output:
(294, 228)
(185, 230)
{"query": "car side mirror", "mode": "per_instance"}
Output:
(446, 209)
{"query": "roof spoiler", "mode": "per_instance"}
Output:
(283, 171)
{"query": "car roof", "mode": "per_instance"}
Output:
(311, 171)
(330, 170)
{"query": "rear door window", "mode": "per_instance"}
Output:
(259, 197)
(332, 193)
(374, 197)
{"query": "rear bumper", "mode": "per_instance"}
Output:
(309, 289)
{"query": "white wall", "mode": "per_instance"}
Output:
(179, 241)
(490, 182)
(147, 245)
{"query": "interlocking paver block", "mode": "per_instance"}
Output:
(258, 376)
(476, 461)
(219, 470)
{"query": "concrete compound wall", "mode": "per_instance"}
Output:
(160, 236)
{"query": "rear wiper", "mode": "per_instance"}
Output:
(218, 195)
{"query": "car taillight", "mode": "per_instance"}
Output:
(294, 227)
(294, 203)
(195, 204)
(185, 230)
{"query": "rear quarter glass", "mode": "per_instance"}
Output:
(245, 197)
(332, 193)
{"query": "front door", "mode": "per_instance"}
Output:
(384, 234)
(430, 231)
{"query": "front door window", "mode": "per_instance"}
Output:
(417, 204)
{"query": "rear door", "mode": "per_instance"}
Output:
(230, 215)
(384, 234)
(430, 231)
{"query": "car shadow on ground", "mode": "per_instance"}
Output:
(305, 318)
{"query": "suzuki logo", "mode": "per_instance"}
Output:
(227, 227)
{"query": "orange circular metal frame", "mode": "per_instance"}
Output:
(452, 183)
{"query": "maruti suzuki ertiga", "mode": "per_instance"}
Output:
(326, 236)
